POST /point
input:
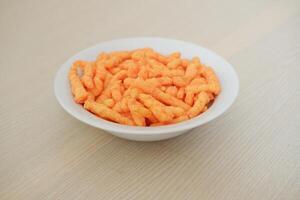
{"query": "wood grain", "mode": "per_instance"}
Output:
(251, 152)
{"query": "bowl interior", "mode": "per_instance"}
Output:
(225, 72)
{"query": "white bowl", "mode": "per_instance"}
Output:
(225, 72)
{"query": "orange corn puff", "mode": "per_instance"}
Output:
(163, 88)
(212, 79)
(117, 107)
(168, 99)
(143, 87)
(189, 98)
(174, 63)
(177, 111)
(106, 113)
(173, 56)
(179, 119)
(199, 105)
(78, 90)
(191, 71)
(155, 107)
(116, 92)
(88, 73)
(138, 118)
(124, 104)
(179, 81)
(180, 93)
(175, 72)
(172, 90)
(108, 102)
(162, 59)
(184, 63)
(114, 70)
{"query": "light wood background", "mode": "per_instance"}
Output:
(251, 152)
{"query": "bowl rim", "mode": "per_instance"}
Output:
(133, 130)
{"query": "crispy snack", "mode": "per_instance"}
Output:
(168, 99)
(94, 91)
(147, 86)
(163, 88)
(191, 71)
(179, 119)
(98, 84)
(184, 63)
(155, 107)
(101, 71)
(120, 75)
(90, 97)
(159, 68)
(133, 68)
(140, 113)
(117, 107)
(212, 80)
(199, 105)
(175, 72)
(173, 56)
(138, 119)
(180, 94)
(116, 91)
(162, 59)
(124, 104)
(176, 111)
(107, 80)
(162, 81)
(109, 102)
(145, 112)
(172, 90)
(143, 87)
(212, 84)
(112, 62)
(179, 81)
(189, 98)
(174, 63)
(88, 74)
(114, 70)
(102, 111)
(78, 90)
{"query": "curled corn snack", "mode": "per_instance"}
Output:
(144, 88)
(78, 90)
(103, 111)
(157, 108)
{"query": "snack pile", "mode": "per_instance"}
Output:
(143, 87)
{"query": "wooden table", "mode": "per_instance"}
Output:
(251, 152)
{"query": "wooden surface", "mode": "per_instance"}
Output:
(251, 152)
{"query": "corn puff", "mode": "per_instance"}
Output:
(199, 105)
(106, 113)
